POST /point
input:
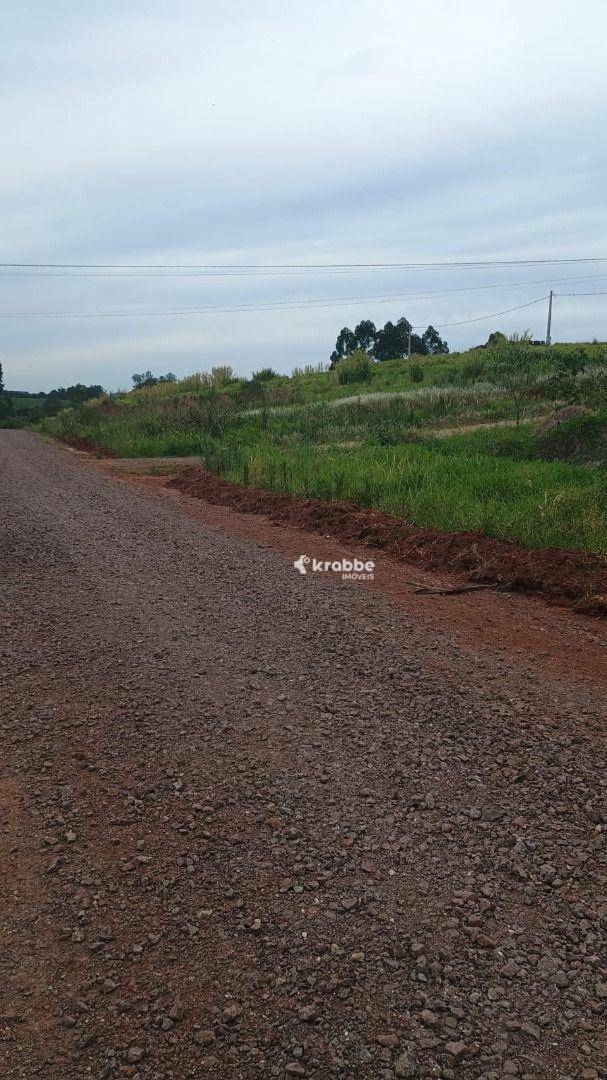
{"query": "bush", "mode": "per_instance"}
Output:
(576, 438)
(358, 367)
(252, 392)
(264, 375)
(473, 370)
(416, 373)
(451, 375)
(221, 376)
(593, 386)
(513, 366)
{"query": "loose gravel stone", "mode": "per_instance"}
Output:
(258, 824)
(231, 1014)
(135, 1054)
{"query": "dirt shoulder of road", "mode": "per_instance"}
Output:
(576, 579)
(522, 627)
(573, 578)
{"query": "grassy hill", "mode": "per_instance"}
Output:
(436, 440)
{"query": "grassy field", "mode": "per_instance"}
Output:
(23, 403)
(317, 383)
(382, 446)
(183, 425)
(581, 439)
(19, 409)
(538, 503)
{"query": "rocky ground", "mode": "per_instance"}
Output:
(255, 824)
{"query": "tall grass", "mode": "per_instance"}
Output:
(372, 449)
(143, 420)
(539, 504)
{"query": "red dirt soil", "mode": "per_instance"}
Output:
(574, 579)
(80, 443)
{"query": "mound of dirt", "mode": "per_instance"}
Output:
(80, 443)
(572, 578)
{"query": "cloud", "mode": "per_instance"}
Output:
(267, 132)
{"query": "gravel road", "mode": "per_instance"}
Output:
(255, 824)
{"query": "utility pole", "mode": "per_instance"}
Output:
(409, 347)
(549, 317)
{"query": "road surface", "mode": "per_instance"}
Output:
(260, 824)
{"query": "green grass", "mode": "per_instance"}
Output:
(315, 384)
(582, 439)
(539, 504)
(26, 404)
(23, 409)
(525, 483)
(141, 426)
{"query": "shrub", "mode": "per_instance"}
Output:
(513, 366)
(416, 373)
(356, 368)
(221, 376)
(577, 437)
(451, 375)
(252, 392)
(473, 370)
(593, 385)
(264, 375)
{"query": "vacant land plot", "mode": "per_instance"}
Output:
(528, 482)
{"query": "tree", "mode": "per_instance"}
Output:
(147, 379)
(390, 343)
(432, 344)
(562, 384)
(345, 344)
(140, 381)
(7, 407)
(392, 340)
(513, 366)
(495, 338)
(365, 334)
(77, 393)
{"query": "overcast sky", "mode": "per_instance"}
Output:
(303, 132)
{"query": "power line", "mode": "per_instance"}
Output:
(303, 304)
(553, 296)
(261, 268)
(479, 318)
(404, 296)
(284, 306)
(300, 304)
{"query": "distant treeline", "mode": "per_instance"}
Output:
(19, 406)
(391, 342)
